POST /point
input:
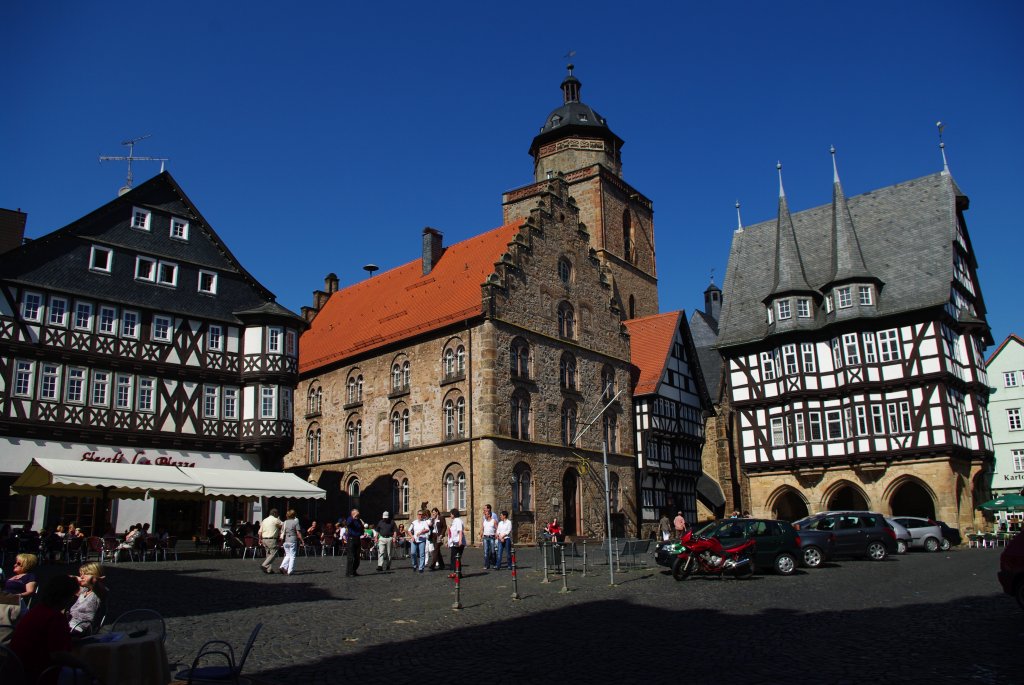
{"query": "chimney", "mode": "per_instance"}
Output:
(12, 228)
(432, 249)
(331, 283)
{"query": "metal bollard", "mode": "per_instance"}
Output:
(515, 582)
(544, 553)
(458, 586)
(618, 567)
(565, 586)
(584, 557)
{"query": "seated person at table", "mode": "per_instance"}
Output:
(21, 585)
(83, 614)
(43, 633)
(554, 532)
(235, 546)
(131, 540)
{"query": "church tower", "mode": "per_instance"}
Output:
(576, 144)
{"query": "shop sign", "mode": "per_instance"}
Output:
(139, 457)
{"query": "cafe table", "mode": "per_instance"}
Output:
(119, 659)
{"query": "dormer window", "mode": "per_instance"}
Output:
(556, 120)
(141, 218)
(803, 308)
(167, 274)
(207, 282)
(101, 259)
(845, 298)
(771, 314)
(145, 269)
(828, 304)
(179, 229)
(785, 310)
(864, 295)
(583, 117)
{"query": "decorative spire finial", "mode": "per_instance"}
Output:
(739, 221)
(712, 275)
(835, 169)
(942, 146)
(782, 192)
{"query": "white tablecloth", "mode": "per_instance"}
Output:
(128, 660)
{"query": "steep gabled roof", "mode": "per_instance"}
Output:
(402, 302)
(906, 233)
(59, 260)
(650, 344)
(1012, 337)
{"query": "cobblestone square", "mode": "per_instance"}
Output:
(928, 618)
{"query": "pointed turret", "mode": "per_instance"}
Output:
(790, 276)
(847, 258)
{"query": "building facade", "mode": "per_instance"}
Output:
(134, 335)
(1006, 375)
(853, 340)
(473, 374)
(670, 403)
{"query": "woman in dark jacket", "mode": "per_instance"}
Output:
(438, 538)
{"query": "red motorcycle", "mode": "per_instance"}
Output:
(709, 556)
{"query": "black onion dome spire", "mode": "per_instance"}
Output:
(574, 118)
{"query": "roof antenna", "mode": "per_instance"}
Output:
(370, 268)
(942, 146)
(739, 221)
(130, 143)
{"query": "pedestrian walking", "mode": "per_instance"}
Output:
(665, 527)
(385, 536)
(419, 530)
(354, 530)
(291, 536)
(488, 530)
(504, 540)
(270, 534)
(437, 540)
(679, 523)
(456, 541)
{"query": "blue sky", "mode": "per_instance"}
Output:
(317, 137)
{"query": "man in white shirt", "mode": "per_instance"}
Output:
(419, 530)
(456, 541)
(270, 531)
(504, 538)
(488, 529)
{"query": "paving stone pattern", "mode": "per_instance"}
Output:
(928, 618)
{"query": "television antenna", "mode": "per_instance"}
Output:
(130, 144)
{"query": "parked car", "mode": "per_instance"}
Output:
(950, 536)
(1011, 569)
(778, 545)
(816, 547)
(903, 536)
(858, 533)
(926, 533)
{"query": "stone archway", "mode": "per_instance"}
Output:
(910, 498)
(788, 505)
(846, 496)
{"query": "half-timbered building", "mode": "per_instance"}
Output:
(134, 335)
(670, 402)
(1006, 374)
(852, 340)
(467, 376)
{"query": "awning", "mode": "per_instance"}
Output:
(225, 484)
(1004, 503)
(66, 478)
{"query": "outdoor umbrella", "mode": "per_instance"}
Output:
(1004, 503)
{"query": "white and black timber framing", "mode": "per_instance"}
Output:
(135, 325)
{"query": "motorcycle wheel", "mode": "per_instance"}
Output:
(683, 568)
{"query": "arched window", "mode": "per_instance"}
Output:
(396, 377)
(449, 491)
(449, 419)
(359, 388)
(350, 396)
(396, 428)
(399, 494)
(460, 359)
(566, 321)
(519, 424)
(564, 270)
(607, 383)
(454, 418)
(314, 399)
(520, 358)
(460, 416)
(611, 432)
(613, 492)
(313, 444)
(522, 488)
(406, 375)
(568, 423)
(627, 236)
(354, 436)
(461, 483)
(449, 363)
(455, 490)
(404, 502)
(353, 492)
(567, 372)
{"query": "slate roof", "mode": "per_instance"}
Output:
(650, 344)
(402, 303)
(574, 117)
(906, 233)
(704, 331)
(59, 261)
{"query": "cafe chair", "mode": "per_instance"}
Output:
(230, 672)
(138, 620)
(170, 546)
(252, 546)
(11, 670)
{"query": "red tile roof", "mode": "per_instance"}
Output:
(650, 343)
(402, 302)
